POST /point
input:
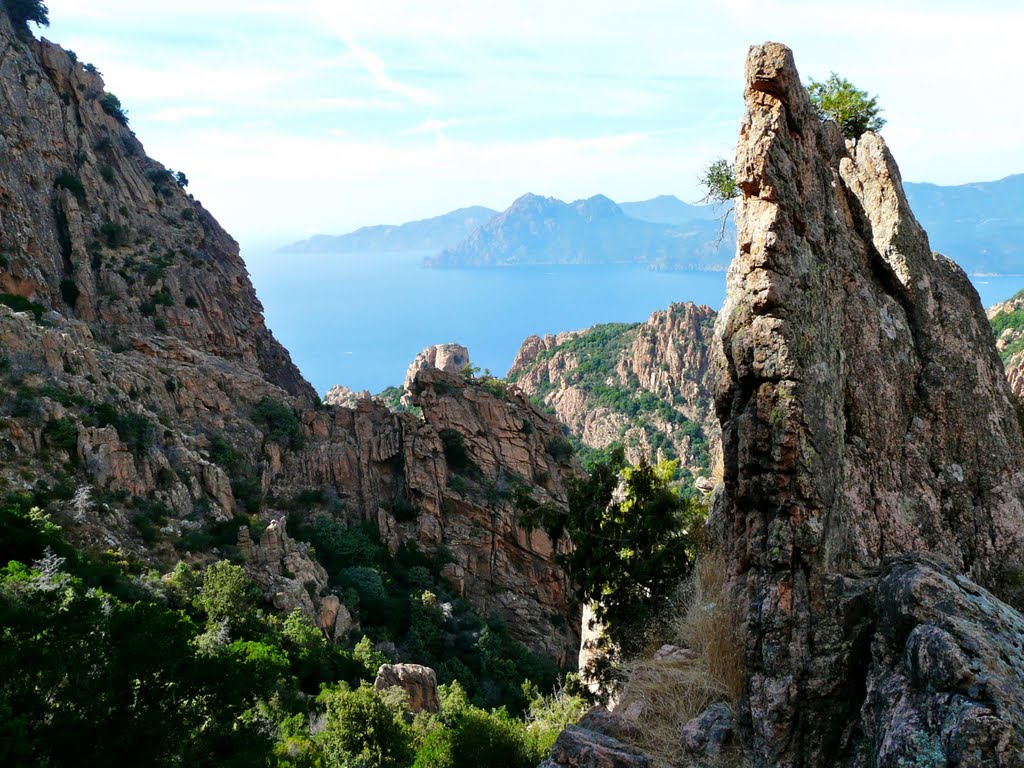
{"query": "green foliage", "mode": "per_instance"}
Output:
(718, 181)
(245, 483)
(227, 593)
(112, 106)
(21, 304)
(72, 184)
(135, 430)
(629, 550)
(279, 423)
(364, 728)
(455, 452)
(62, 434)
(1014, 320)
(837, 99)
(114, 235)
(21, 12)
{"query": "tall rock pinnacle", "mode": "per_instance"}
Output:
(865, 415)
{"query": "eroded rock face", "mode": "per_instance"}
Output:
(154, 353)
(667, 357)
(419, 684)
(1006, 316)
(451, 358)
(946, 685)
(864, 415)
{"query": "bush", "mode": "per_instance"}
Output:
(136, 431)
(21, 304)
(72, 184)
(365, 728)
(112, 106)
(719, 182)
(279, 423)
(837, 99)
(62, 435)
(455, 452)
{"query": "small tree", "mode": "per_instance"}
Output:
(837, 99)
(719, 182)
(21, 12)
(633, 541)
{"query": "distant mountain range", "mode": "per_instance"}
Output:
(979, 225)
(543, 230)
(426, 235)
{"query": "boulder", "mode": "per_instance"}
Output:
(418, 682)
(583, 748)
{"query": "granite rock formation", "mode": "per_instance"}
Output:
(129, 327)
(418, 683)
(865, 416)
(452, 358)
(646, 385)
(1007, 320)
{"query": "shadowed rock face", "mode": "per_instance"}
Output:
(864, 411)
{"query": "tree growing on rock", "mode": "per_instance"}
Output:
(21, 12)
(839, 100)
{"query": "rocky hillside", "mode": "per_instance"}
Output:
(543, 230)
(873, 478)
(150, 411)
(1007, 320)
(642, 385)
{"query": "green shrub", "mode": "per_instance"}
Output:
(135, 430)
(279, 423)
(72, 184)
(365, 728)
(112, 106)
(455, 452)
(62, 435)
(837, 99)
(21, 304)
(115, 235)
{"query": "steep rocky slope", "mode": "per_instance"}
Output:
(149, 409)
(865, 416)
(642, 385)
(1007, 320)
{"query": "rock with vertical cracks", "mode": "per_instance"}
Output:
(864, 415)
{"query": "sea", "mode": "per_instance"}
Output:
(358, 319)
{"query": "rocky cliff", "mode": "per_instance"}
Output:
(643, 385)
(1007, 320)
(150, 410)
(865, 417)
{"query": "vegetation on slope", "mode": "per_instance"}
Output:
(597, 353)
(123, 665)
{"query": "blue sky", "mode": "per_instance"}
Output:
(314, 116)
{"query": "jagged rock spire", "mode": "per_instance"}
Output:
(864, 414)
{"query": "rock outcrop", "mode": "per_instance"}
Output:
(451, 358)
(643, 385)
(344, 397)
(865, 415)
(584, 748)
(418, 683)
(1007, 320)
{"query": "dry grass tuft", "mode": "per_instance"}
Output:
(673, 692)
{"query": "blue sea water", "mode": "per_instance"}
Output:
(359, 319)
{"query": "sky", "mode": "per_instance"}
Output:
(312, 116)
